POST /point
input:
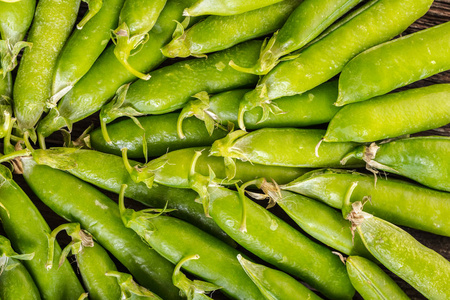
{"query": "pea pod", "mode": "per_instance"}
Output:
(421, 267)
(107, 74)
(209, 35)
(373, 24)
(408, 112)
(27, 230)
(51, 27)
(160, 95)
(423, 159)
(224, 8)
(84, 46)
(5, 103)
(100, 216)
(275, 284)
(15, 281)
(136, 19)
(307, 21)
(371, 281)
(413, 57)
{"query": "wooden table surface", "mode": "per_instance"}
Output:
(439, 13)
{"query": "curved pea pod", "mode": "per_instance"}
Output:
(424, 269)
(15, 19)
(400, 202)
(374, 23)
(129, 288)
(176, 240)
(276, 242)
(101, 217)
(371, 281)
(107, 74)
(136, 19)
(394, 64)
(92, 261)
(307, 21)
(408, 112)
(84, 46)
(423, 159)
(108, 172)
(275, 284)
(225, 8)
(27, 230)
(51, 27)
(5, 103)
(288, 147)
(160, 95)
(209, 35)
(15, 281)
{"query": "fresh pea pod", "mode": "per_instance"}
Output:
(103, 79)
(396, 201)
(373, 24)
(84, 46)
(160, 95)
(136, 19)
(209, 35)
(424, 269)
(307, 21)
(371, 281)
(5, 103)
(51, 27)
(273, 240)
(77, 201)
(274, 284)
(27, 230)
(225, 8)
(410, 111)
(423, 159)
(394, 64)
(15, 281)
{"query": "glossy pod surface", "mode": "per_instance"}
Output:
(408, 112)
(140, 15)
(397, 201)
(394, 64)
(15, 19)
(224, 8)
(27, 230)
(273, 240)
(371, 281)
(77, 201)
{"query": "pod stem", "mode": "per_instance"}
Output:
(129, 287)
(7, 252)
(200, 183)
(94, 7)
(9, 53)
(177, 46)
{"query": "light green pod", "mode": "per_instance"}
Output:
(371, 282)
(408, 112)
(394, 64)
(225, 7)
(217, 33)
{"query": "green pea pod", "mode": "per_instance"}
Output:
(373, 24)
(92, 261)
(5, 103)
(107, 74)
(15, 19)
(225, 8)
(209, 35)
(410, 111)
(424, 269)
(160, 95)
(108, 172)
(371, 281)
(423, 159)
(15, 281)
(276, 242)
(136, 19)
(400, 202)
(129, 288)
(307, 21)
(274, 284)
(51, 27)
(84, 46)
(27, 230)
(413, 57)
(100, 216)
(175, 240)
